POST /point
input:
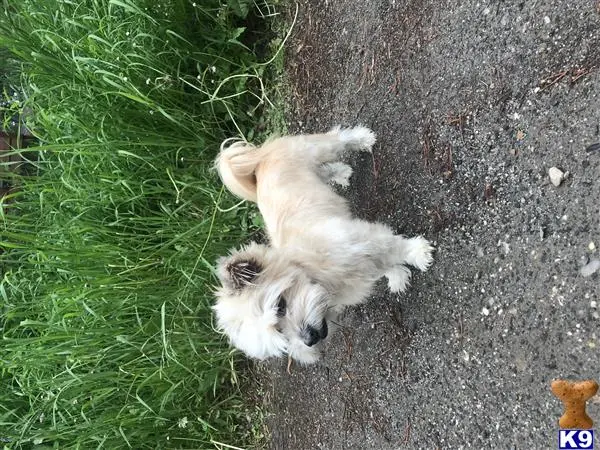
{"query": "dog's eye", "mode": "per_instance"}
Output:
(281, 307)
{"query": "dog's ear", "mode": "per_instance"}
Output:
(238, 271)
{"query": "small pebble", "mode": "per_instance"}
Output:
(590, 268)
(485, 311)
(556, 176)
(592, 246)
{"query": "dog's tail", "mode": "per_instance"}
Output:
(236, 165)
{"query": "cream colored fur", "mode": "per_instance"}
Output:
(319, 260)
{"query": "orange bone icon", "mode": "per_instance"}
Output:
(574, 395)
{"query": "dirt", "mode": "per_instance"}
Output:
(473, 102)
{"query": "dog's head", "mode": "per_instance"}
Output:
(268, 305)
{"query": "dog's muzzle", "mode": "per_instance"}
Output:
(311, 335)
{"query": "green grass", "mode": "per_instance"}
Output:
(108, 242)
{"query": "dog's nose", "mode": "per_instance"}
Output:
(311, 335)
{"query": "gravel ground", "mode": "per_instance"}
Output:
(473, 102)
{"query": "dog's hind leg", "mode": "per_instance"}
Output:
(336, 172)
(329, 146)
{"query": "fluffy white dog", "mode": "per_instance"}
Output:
(279, 298)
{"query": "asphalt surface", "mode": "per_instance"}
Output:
(473, 102)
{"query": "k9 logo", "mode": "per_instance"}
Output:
(575, 439)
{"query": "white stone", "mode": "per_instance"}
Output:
(556, 176)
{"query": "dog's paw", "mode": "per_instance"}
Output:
(419, 253)
(398, 279)
(358, 138)
(340, 173)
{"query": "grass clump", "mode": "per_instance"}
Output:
(108, 237)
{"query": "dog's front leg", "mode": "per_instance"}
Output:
(416, 252)
(328, 147)
(390, 254)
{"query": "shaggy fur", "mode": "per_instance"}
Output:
(280, 298)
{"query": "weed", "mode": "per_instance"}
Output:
(108, 240)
